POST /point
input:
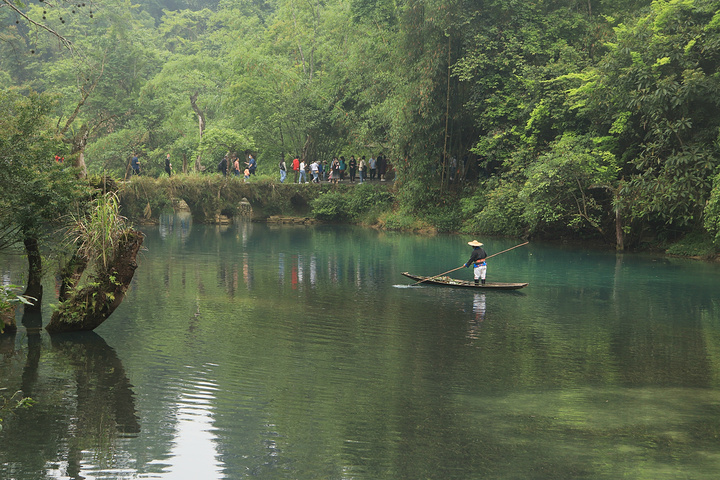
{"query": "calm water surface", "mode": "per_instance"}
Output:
(301, 353)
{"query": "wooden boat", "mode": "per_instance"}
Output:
(453, 282)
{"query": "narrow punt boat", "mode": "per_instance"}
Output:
(453, 282)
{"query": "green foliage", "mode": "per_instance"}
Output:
(14, 402)
(502, 214)
(9, 298)
(331, 207)
(363, 203)
(402, 221)
(559, 185)
(694, 245)
(712, 212)
(577, 109)
(367, 202)
(143, 194)
(97, 234)
(216, 142)
(36, 189)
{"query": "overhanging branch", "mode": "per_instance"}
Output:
(67, 43)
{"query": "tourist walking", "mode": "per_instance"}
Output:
(343, 167)
(236, 167)
(303, 173)
(372, 163)
(335, 168)
(283, 170)
(223, 166)
(251, 164)
(296, 169)
(363, 169)
(381, 167)
(168, 165)
(314, 169)
(135, 165)
(352, 166)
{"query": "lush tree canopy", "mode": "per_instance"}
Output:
(499, 116)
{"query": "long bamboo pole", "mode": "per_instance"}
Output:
(461, 266)
(516, 246)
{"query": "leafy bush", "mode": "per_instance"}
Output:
(501, 215)
(712, 212)
(399, 221)
(693, 245)
(367, 202)
(330, 207)
(9, 298)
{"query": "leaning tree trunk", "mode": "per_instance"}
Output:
(89, 307)
(77, 154)
(308, 148)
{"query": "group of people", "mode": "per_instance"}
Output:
(135, 165)
(336, 170)
(231, 162)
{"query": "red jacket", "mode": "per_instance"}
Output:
(296, 164)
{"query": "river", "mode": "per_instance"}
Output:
(293, 352)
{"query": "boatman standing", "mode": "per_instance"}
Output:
(477, 260)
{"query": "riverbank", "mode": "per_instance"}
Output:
(214, 199)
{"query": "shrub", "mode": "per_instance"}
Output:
(367, 202)
(693, 245)
(501, 215)
(712, 212)
(330, 206)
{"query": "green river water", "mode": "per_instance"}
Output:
(253, 351)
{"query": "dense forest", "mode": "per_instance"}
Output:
(593, 119)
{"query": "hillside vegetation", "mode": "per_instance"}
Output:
(588, 119)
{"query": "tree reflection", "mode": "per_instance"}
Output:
(83, 402)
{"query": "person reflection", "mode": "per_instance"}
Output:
(478, 309)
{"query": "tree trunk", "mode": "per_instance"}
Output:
(619, 234)
(77, 154)
(89, 307)
(201, 124)
(308, 148)
(34, 284)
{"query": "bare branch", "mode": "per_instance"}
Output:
(67, 43)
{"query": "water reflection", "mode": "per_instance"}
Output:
(478, 316)
(175, 225)
(84, 406)
(194, 452)
(287, 353)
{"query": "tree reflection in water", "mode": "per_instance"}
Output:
(84, 402)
